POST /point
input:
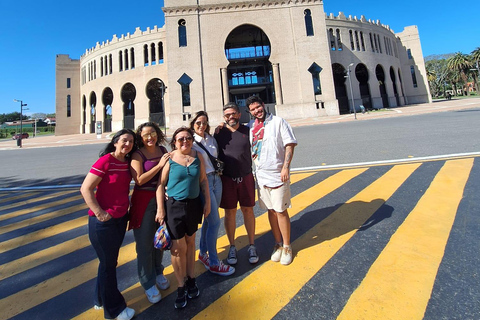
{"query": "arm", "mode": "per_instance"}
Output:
(136, 168)
(87, 189)
(204, 189)
(285, 174)
(160, 194)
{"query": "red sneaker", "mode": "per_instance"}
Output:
(222, 269)
(204, 259)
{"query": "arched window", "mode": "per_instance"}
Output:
(126, 59)
(153, 57)
(132, 58)
(160, 52)
(332, 39)
(356, 40)
(308, 22)
(110, 64)
(94, 69)
(375, 40)
(414, 77)
(184, 82)
(182, 33)
(120, 61)
(145, 55)
(339, 41)
(69, 106)
(371, 42)
(362, 41)
(379, 44)
(315, 70)
(352, 44)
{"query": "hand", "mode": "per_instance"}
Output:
(219, 127)
(160, 218)
(285, 174)
(206, 210)
(103, 216)
(164, 160)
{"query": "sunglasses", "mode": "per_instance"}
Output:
(228, 115)
(151, 135)
(199, 123)
(184, 139)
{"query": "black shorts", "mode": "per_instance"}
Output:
(183, 216)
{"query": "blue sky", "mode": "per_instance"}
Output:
(33, 32)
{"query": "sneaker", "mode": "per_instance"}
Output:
(277, 253)
(126, 314)
(232, 255)
(162, 282)
(287, 256)
(153, 295)
(181, 300)
(97, 307)
(222, 269)
(204, 259)
(192, 288)
(252, 254)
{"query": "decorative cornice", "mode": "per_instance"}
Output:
(236, 6)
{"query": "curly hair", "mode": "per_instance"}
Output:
(198, 115)
(160, 135)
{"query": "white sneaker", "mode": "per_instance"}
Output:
(287, 256)
(277, 253)
(126, 314)
(162, 282)
(153, 295)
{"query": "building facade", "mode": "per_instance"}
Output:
(300, 61)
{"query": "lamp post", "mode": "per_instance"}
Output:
(19, 141)
(351, 89)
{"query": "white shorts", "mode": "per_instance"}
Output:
(278, 199)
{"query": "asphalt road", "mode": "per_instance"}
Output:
(327, 144)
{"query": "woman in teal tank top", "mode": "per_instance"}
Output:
(183, 179)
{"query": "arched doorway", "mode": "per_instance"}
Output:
(93, 113)
(84, 113)
(155, 90)
(361, 73)
(340, 87)
(394, 81)
(381, 85)
(107, 99)
(247, 48)
(128, 94)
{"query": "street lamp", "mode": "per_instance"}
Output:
(351, 89)
(19, 141)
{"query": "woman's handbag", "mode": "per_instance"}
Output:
(162, 238)
(217, 164)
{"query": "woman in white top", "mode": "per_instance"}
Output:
(209, 234)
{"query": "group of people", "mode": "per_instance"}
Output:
(182, 188)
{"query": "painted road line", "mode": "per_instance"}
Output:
(17, 197)
(400, 282)
(33, 260)
(34, 207)
(42, 234)
(269, 288)
(135, 296)
(43, 217)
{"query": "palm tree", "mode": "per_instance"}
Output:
(460, 64)
(475, 58)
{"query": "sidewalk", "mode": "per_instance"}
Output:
(425, 108)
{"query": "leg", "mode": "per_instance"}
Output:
(190, 255)
(272, 218)
(213, 222)
(179, 260)
(230, 225)
(282, 221)
(249, 220)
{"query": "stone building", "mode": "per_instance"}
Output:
(300, 60)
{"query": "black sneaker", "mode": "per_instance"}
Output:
(192, 288)
(181, 300)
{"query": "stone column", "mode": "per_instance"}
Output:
(226, 96)
(276, 82)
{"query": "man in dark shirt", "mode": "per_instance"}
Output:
(237, 179)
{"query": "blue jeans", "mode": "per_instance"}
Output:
(208, 239)
(106, 238)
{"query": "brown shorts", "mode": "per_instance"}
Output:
(238, 190)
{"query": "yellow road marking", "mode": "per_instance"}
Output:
(269, 288)
(17, 197)
(135, 296)
(399, 283)
(34, 208)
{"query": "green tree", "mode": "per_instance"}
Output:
(459, 64)
(475, 58)
(9, 117)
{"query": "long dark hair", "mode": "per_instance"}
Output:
(198, 115)
(110, 147)
(160, 135)
(174, 137)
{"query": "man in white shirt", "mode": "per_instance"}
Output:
(273, 142)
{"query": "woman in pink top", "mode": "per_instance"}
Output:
(146, 166)
(107, 223)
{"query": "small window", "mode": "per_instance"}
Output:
(68, 83)
(184, 82)
(333, 47)
(120, 61)
(182, 33)
(414, 77)
(352, 44)
(339, 41)
(160, 52)
(153, 58)
(132, 58)
(69, 106)
(315, 70)
(409, 54)
(308, 22)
